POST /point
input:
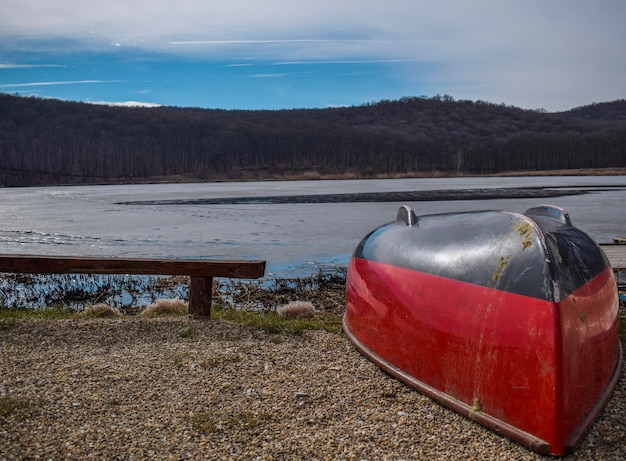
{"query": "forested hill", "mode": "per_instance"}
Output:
(45, 141)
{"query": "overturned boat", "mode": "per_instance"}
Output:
(509, 319)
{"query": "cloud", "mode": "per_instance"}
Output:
(264, 42)
(344, 61)
(267, 75)
(27, 66)
(534, 53)
(125, 103)
(360, 27)
(69, 82)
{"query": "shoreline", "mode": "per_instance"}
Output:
(314, 175)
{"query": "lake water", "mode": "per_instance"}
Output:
(294, 238)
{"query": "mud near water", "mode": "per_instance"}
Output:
(362, 197)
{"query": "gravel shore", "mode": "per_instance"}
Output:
(178, 388)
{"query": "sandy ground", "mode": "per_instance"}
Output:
(178, 388)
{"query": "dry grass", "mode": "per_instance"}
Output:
(102, 310)
(308, 175)
(165, 307)
(297, 310)
(10, 405)
(574, 172)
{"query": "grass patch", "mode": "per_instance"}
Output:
(248, 303)
(179, 360)
(49, 313)
(268, 321)
(7, 323)
(188, 333)
(9, 405)
(272, 322)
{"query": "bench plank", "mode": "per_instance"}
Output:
(148, 266)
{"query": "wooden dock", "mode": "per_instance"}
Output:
(616, 254)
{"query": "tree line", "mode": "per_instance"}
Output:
(46, 141)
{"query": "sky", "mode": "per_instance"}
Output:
(283, 54)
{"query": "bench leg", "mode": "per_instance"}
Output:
(200, 294)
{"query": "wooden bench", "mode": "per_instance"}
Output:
(200, 271)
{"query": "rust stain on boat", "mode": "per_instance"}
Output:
(475, 408)
(502, 263)
(526, 232)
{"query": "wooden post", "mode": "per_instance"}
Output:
(200, 295)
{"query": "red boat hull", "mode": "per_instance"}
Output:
(535, 370)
